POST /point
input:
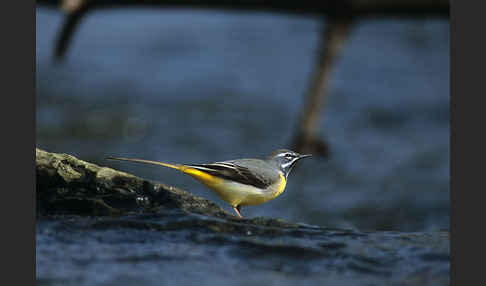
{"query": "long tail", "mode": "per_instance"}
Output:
(200, 175)
(177, 167)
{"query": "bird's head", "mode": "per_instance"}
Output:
(285, 159)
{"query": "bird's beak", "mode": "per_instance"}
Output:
(305, 155)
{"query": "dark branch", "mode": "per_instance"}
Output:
(331, 8)
(362, 8)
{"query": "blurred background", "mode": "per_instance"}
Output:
(193, 86)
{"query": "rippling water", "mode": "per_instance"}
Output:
(196, 86)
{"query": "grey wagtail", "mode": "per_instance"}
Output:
(240, 182)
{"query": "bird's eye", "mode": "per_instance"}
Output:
(288, 156)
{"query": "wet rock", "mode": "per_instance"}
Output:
(102, 226)
(67, 185)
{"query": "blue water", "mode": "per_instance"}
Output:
(196, 86)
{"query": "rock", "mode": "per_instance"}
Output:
(67, 185)
(149, 233)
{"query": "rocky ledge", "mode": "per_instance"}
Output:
(99, 225)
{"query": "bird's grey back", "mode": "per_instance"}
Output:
(255, 172)
(265, 168)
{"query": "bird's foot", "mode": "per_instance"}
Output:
(237, 211)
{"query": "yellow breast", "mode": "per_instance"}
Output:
(281, 186)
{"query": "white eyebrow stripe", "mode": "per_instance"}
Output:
(283, 154)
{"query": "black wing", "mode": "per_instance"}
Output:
(234, 172)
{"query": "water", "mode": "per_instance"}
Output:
(197, 86)
(142, 250)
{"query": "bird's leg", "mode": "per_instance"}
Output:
(237, 211)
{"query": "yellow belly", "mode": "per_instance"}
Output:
(235, 193)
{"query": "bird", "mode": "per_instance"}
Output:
(240, 182)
